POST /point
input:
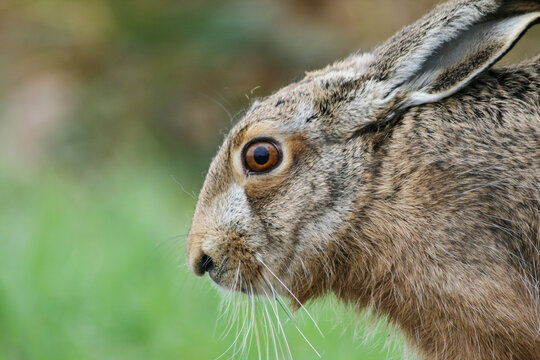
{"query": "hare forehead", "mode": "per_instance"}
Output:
(285, 112)
(292, 105)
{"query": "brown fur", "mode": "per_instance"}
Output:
(463, 200)
(426, 212)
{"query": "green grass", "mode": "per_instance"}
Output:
(88, 270)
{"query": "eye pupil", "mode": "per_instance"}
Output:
(261, 155)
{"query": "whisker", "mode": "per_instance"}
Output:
(231, 117)
(240, 332)
(256, 327)
(294, 296)
(168, 241)
(246, 344)
(191, 195)
(229, 348)
(234, 315)
(273, 306)
(295, 324)
(266, 337)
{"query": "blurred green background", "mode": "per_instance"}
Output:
(110, 112)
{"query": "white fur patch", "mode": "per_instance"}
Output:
(230, 209)
(303, 112)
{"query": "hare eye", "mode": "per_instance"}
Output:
(261, 156)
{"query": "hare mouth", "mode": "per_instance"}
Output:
(247, 289)
(232, 280)
(236, 281)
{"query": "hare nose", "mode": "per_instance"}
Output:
(204, 264)
(199, 262)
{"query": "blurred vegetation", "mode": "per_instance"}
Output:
(110, 111)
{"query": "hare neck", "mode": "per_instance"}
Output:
(441, 272)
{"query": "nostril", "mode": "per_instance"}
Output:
(205, 264)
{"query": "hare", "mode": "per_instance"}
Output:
(405, 180)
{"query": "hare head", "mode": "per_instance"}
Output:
(291, 200)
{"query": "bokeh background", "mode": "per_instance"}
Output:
(110, 112)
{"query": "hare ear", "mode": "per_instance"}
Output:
(445, 50)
